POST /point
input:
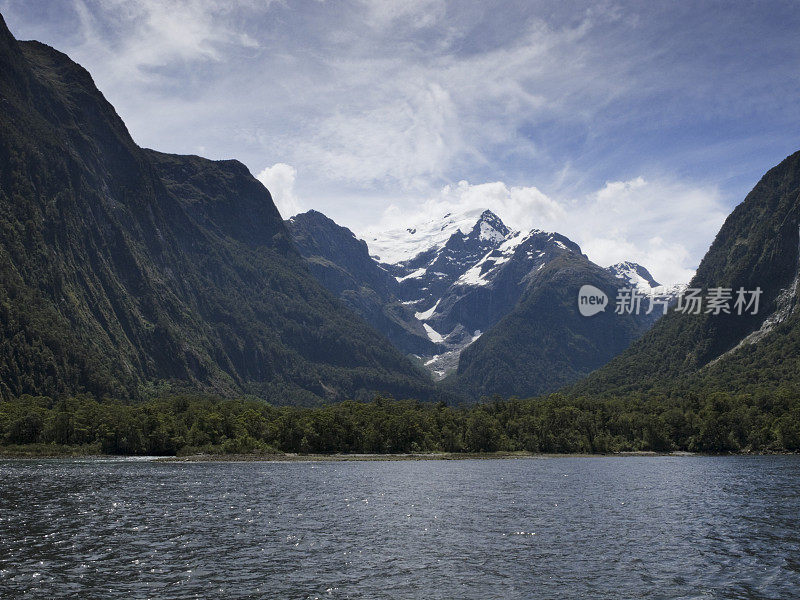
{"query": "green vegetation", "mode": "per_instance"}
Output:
(186, 424)
(123, 268)
(757, 247)
(544, 343)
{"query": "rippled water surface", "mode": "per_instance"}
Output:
(661, 527)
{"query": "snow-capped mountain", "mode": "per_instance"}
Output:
(434, 288)
(400, 245)
(426, 277)
(636, 276)
(463, 284)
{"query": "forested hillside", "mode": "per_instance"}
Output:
(185, 424)
(756, 248)
(124, 270)
(544, 343)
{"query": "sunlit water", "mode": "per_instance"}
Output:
(661, 527)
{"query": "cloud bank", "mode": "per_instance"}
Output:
(279, 180)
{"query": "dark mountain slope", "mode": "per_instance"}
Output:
(343, 259)
(341, 262)
(544, 342)
(756, 247)
(122, 268)
(493, 286)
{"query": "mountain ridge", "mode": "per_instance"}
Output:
(123, 268)
(341, 262)
(473, 277)
(756, 247)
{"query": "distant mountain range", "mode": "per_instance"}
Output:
(458, 278)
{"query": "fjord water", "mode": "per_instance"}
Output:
(656, 527)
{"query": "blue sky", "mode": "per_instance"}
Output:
(632, 128)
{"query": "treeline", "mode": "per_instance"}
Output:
(186, 424)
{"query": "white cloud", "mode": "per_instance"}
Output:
(524, 207)
(279, 180)
(666, 226)
(417, 13)
(150, 34)
(410, 113)
(406, 140)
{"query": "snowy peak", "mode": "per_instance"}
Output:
(403, 244)
(418, 243)
(474, 255)
(637, 277)
(490, 228)
(461, 273)
(425, 278)
(634, 275)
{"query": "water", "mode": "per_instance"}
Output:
(660, 527)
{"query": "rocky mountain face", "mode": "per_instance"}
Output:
(544, 342)
(462, 282)
(123, 269)
(464, 286)
(342, 263)
(756, 249)
(473, 280)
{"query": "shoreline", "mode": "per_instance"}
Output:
(417, 456)
(74, 453)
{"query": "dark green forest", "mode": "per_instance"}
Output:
(191, 424)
